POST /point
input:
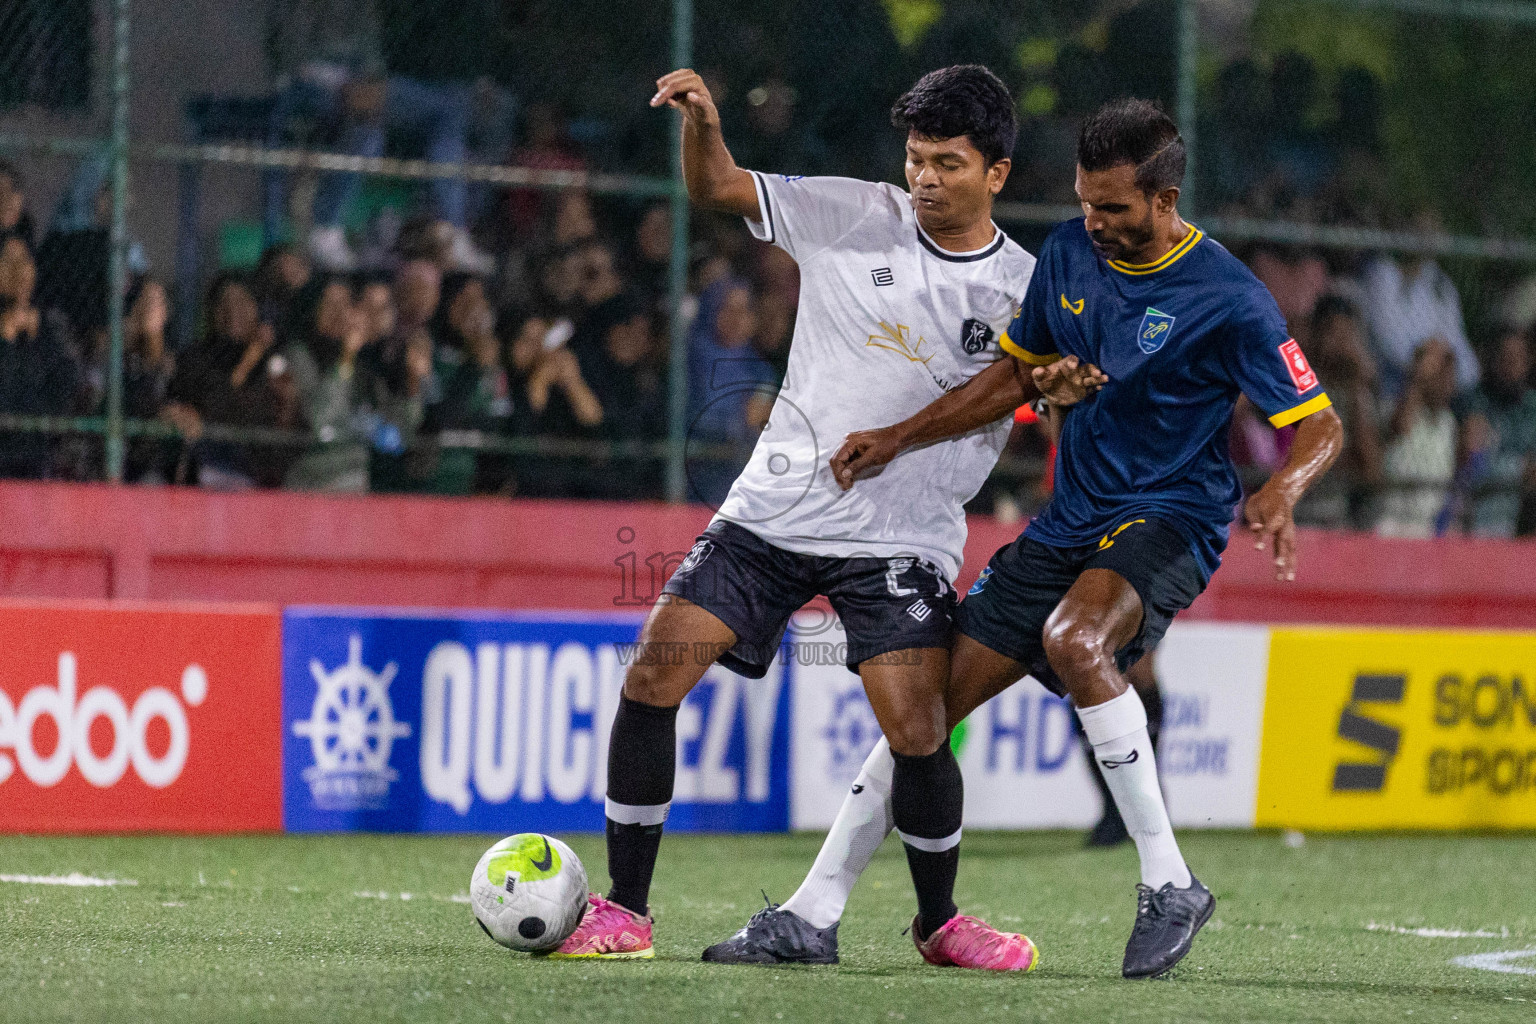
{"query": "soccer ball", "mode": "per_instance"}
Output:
(529, 892)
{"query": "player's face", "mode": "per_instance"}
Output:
(1120, 217)
(951, 185)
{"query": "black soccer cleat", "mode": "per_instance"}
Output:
(775, 936)
(1166, 922)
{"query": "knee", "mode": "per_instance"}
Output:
(1074, 649)
(654, 685)
(918, 733)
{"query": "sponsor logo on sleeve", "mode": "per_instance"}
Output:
(1301, 371)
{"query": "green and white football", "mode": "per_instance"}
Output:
(529, 892)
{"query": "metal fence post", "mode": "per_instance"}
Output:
(677, 278)
(118, 266)
(1189, 53)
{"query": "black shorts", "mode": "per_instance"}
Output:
(1021, 586)
(886, 604)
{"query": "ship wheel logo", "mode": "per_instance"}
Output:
(351, 731)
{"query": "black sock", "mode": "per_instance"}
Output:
(927, 800)
(1152, 700)
(642, 762)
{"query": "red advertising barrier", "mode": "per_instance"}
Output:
(166, 543)
(122, 718)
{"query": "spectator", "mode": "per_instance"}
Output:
(38, 372)
(1339, 352)
(326, 332)
(621, 369)
(1359, 189)
(73, 260)
(549, 398)
(1408, 302)
(1233, 161)
(147, 361)
(147, 369)
(1420, 458)
(729, 385)
(548, 147)
(1501, 439)
(397, 369)
(1296, 279)
(468, 388)
(650, 257)
(231, 377)
(597, 278)
(15, 219)
(282, 271)
(334, 74)
(1298, 154)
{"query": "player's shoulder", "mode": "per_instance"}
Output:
(1010, 266)
(834, 187)
(1070, 236)
(1244, 294)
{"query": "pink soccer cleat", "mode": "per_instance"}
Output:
(971, 942)
(610, 932)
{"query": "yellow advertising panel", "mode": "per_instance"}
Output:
(1414, 729)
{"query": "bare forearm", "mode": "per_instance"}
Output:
(714, 181)
(987, 397)
(1318, 442)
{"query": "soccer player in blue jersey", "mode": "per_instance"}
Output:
(1145, 491)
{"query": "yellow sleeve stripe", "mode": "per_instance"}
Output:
(1014, 349)
(1300, 412)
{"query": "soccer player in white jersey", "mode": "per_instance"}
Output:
(904, 295)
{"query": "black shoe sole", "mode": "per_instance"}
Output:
(1210, 908)
(768, 960)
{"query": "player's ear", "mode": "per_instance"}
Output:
(1166, 200)
(997, 174)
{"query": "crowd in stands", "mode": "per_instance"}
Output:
(401, 372)
(410, 357)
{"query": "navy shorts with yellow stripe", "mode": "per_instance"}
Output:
(1021, 586)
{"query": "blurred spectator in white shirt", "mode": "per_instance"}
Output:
(1408, 303)
(1420, 458)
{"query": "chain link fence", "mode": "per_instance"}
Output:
(371, 244)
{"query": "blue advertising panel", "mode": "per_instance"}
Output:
(404, 722)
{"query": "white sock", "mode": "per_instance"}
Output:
(1117, 730)
(862, 824)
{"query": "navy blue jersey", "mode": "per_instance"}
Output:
(1179, 339)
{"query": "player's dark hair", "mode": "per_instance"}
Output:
(1331, 305)
(965, 99)
(1135, 132)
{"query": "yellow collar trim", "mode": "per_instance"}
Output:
(1189, 241)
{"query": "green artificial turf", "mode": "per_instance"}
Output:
(274, 928)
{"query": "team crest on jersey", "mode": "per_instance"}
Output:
(1155, 328)
(974, 336)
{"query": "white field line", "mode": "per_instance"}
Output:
(74, 878)
(1438, 933)
(1498, 962)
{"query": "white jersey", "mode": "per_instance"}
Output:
(888, 322)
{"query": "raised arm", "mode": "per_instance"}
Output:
(987, 397)
(714, 181)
